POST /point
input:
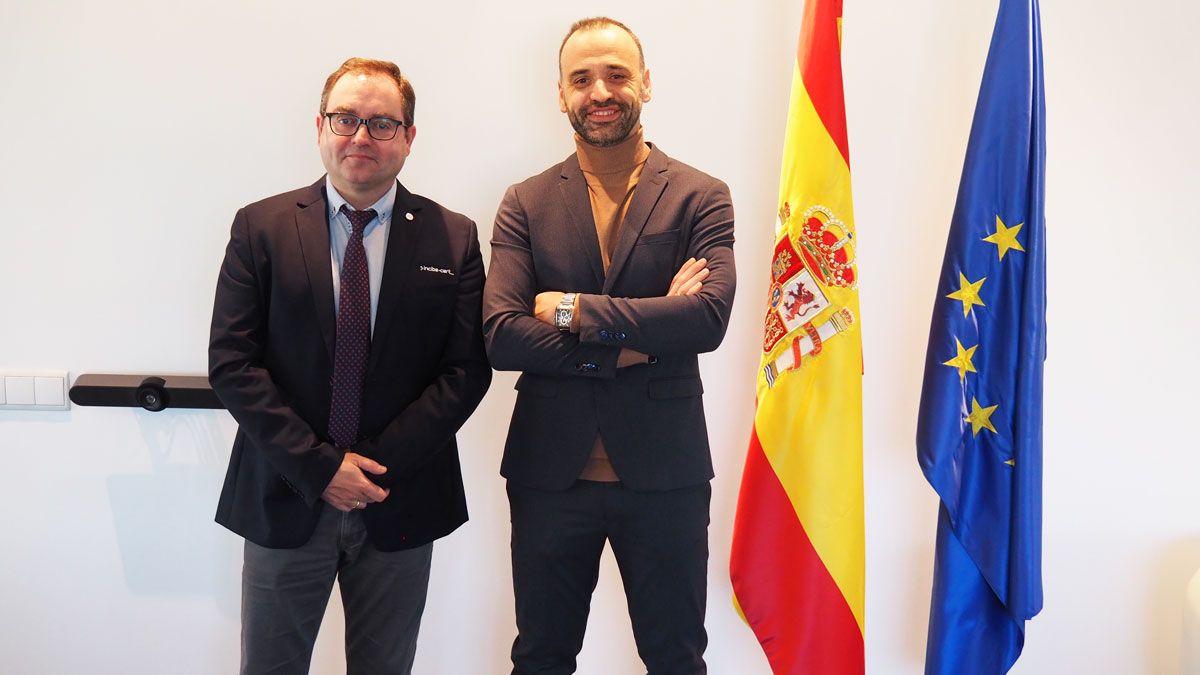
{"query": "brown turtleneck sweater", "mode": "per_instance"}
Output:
(612, 174)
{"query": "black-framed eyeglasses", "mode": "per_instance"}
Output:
(347, 124)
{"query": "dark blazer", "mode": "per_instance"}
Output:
(271, 356)
(651, 416)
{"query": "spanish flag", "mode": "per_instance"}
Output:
(797, 560)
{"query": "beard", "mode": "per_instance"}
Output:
(609, 133)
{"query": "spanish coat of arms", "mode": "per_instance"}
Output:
(806, 265)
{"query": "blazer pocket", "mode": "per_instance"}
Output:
(675, 387)
(668, 237)
(536, 386)
(425, 283)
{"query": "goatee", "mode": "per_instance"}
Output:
(609, 134)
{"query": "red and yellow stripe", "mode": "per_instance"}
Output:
(797, 563)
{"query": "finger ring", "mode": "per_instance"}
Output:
(358, 504)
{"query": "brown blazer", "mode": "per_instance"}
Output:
(650, 416)
(271, 356)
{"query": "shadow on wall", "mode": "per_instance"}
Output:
(163, 519)
(919, 587)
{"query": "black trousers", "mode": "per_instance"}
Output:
(660, 542)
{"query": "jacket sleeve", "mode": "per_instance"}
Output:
(665, 326)
(428, 424)
(238, 374)
(515, 339)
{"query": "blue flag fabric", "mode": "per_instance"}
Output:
(979, 434)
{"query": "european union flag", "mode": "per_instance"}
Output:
(979, 436)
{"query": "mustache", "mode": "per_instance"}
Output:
(620, 105)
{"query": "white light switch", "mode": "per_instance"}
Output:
(34, 390)
(48, 391)
(18, 390)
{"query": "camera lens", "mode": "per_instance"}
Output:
(152, 394)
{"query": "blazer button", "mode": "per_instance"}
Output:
(621, 335)
(604, 335)
(587, 367)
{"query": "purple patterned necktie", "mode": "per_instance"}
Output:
(353, 334)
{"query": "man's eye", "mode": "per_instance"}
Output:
(619, 77)
(345, 121)
(580, 82)
(383, 124)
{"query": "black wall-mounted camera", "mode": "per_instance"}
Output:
(152, 392)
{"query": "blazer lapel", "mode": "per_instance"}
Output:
(649, 188)
(574, 192)
(312, 226)
(403, 238)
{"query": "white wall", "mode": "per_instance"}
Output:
(117, 204)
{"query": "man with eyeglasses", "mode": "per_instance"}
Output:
(346, 343)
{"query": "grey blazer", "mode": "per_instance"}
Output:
(650, 416)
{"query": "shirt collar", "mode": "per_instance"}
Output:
(383, 207)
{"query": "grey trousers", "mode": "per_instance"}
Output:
(285, 591)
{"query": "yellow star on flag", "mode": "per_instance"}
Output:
(981, 418)
(962, 360)
(968, 293)
(1005, 238)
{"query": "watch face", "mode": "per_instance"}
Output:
(564, 312)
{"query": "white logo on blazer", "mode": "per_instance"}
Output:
(439, 270)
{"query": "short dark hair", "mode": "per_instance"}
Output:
(374, 67)
(596, 23)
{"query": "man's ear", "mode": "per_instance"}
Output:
(562, 101)
(646, 89)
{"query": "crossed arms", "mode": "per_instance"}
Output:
(689, 317)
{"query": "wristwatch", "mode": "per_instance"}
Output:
(564, 312)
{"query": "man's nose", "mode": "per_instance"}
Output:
(361, 135)
(600, 91)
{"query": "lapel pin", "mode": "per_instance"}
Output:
(408, 216)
